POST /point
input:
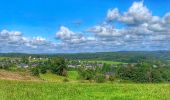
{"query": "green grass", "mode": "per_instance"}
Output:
(107, 62)
(73, 75)
(51, 77)
(111, 62)
(24, 90)
(1, 58)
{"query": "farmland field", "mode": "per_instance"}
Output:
(107, 62)
(27, 90)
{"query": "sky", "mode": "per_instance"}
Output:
(71, 26)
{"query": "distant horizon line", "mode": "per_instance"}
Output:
(84, 52)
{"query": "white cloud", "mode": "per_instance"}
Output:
(137, 14)
(70, 37)
(113, 14)
(139, 30)
(14, 41)
(105, 31)
(166, 18)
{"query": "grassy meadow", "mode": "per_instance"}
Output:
(107, 62)
(27, 90)
(52, 87)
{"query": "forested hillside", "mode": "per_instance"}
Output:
(123, 56)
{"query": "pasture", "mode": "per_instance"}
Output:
(27, 90)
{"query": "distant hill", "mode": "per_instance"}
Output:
(124, 56)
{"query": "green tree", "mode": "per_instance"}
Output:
(58, 66)
(35, 71)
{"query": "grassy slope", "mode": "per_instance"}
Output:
(53, 88)
(17, 75)
(72, 76)
(21, 90)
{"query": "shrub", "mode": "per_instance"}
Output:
(43, 69)
(86, 74)
(58, 66)
(156, 76)
(142, 72)
(35, 71)
(100, 78)
(111, 78)
(165, 72)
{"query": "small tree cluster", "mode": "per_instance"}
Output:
(142, 72)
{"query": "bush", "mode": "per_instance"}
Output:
(35, 71)
(100, 79)
(142, 72)
(86, 74)
(43, 69)
(156, 76)
(111, 78)
(165, 72)
(58, 66)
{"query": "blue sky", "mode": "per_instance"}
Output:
(67, 25)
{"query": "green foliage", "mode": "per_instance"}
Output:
(6, 64)
(35, 71)
(142, 72)
(126, 56)
(111, 78)
(43, 69)
(86, 74)
(165, 72)
(156, 76)
(106, 68)
(100, 78)
(58, 66)
(25, 60)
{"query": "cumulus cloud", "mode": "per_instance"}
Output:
(139, 30)
(105, 31)
(136, 14)
(113, 14)
(68, 36)
(14, 41)
(139, 15)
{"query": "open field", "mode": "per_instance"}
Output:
(111, 62)
(107, 62)
(72, 77)
(22, 90)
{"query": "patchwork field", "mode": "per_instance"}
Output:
(22, 90)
